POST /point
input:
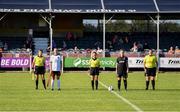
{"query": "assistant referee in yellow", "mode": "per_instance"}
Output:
(150, 65)
(94, 69)
(39, 66)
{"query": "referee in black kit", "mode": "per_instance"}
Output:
(122, 69)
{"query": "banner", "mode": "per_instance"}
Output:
(84, 62)
(170, 62)
(70, 10)
(163, 62)
(14, 62)
(105, 62)
(135, 62)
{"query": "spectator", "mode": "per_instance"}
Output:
(99, 50)
(109, 45)
(75, 38)
(64, 45)
(146, 46)
(1, 50)
(69, 36)
(97, 44)
(48, 49)
(24, 46)
(171, 50)
(114, 40)
(5, 46)
(177, 50)
(28, 46)
(140, 46)
(1, 44)
(121, 41)
(76, 50)
(135, 47)
(53, 45)
(29, 38)
(88, 51)
(126, 40)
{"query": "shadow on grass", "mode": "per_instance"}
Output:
(152, 90)
(82, 89)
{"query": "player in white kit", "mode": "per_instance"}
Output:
(55, 68)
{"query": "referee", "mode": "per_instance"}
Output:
(122, 69)
(150, 64)
(39, 66)
(94, 69)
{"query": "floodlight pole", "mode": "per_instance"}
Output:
(158, 39)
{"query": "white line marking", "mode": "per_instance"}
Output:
(123, 99)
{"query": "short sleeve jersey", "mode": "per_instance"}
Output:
(122, 64)
(94, 62)
(150, 61)
(56, 60)
(39, 61)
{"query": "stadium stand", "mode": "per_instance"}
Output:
(13, 42)
(89, 40)
(40, 43)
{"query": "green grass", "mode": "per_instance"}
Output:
(17, 93)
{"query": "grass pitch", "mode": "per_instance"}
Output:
(17, 93)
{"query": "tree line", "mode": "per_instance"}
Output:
(134, 26)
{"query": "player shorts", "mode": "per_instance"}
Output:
(39, 70)
(94, 71)
(151, 72)
(122, 74)
(57, 73)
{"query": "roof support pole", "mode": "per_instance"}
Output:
(110, 19)
(158, 39)
(50, 33)
(152, 19)
(49, 22)
(104, 29)
(157, 25)
(104, 37)
(50, 26)
(3, 17)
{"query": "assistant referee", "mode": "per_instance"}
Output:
(150, 65)
(39, 66)
(94, 69)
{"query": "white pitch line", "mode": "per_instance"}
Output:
(123, 99)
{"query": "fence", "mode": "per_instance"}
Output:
(24, 60)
